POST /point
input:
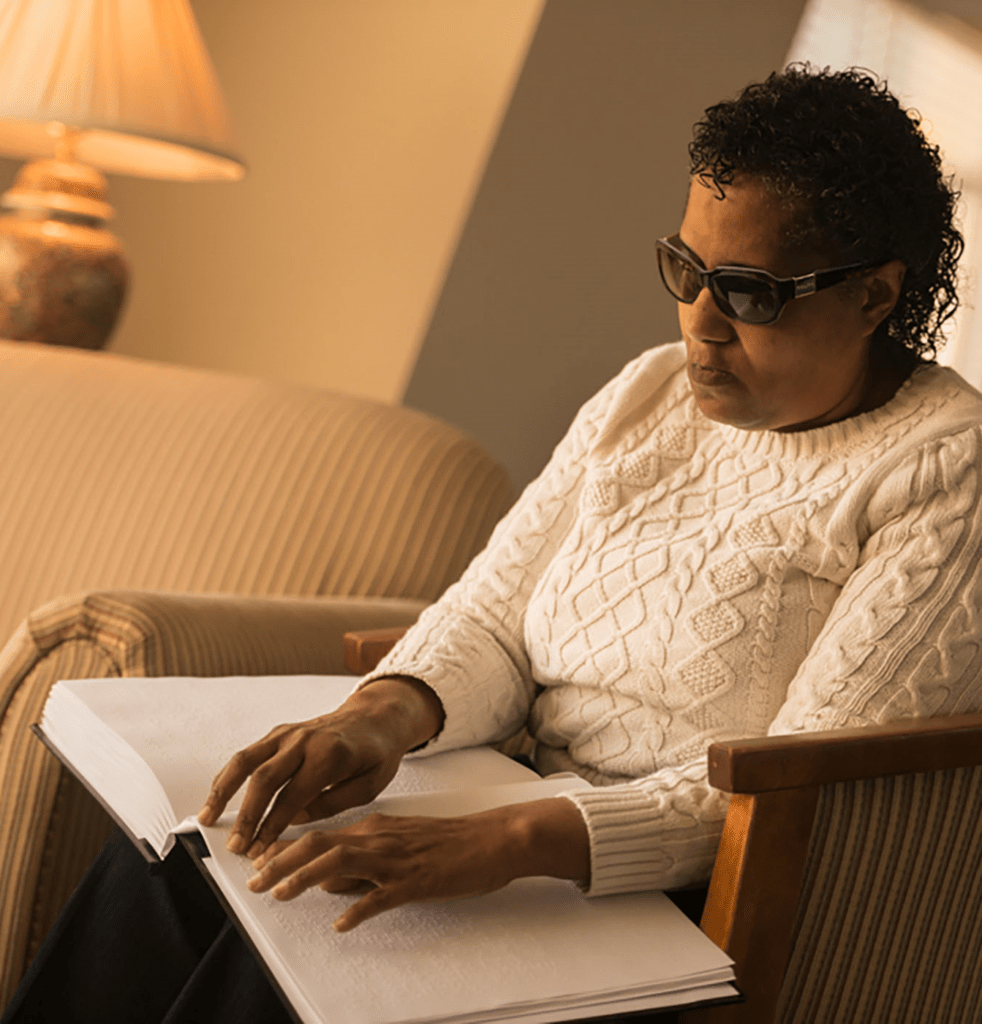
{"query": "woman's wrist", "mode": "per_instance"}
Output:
(406, 705)
(542, 837)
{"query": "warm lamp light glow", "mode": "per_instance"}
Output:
(134, 78)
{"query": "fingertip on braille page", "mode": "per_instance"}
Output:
(237, 843)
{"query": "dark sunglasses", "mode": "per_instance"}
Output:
(751, 296)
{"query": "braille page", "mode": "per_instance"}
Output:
(537, 950)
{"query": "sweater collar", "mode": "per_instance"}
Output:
(846, 435)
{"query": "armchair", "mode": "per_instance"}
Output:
(156, 520)
(848, 882)
(847, 886)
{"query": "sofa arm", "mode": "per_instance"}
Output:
(49, 827)
(145, 633)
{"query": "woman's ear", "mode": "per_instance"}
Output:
(882, 289)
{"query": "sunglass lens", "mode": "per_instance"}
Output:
(741, 296)
(680, 279)
(753, 302)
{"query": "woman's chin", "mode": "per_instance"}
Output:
(723, 408)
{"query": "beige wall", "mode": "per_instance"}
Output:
(554, 286)
(365, 124)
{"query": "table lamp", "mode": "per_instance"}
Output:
(124, 86)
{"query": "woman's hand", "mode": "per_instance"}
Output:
(325, 765)
(407, 860)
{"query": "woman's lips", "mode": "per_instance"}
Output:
(709, 375)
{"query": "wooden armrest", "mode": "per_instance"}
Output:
(753, 897)
(365, 648)
(814, 759)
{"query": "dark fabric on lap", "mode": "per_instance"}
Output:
(227, 986)
(141, 942)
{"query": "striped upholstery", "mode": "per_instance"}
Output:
(889, 929)
(48, 824)
(120, 475)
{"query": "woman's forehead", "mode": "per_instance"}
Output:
(744, 223)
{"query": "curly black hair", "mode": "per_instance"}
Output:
(865, 182)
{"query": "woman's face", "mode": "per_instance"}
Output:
(807, 369)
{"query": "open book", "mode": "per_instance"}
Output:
(535, 951)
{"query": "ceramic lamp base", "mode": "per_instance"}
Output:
(63, 275)
(62, 284)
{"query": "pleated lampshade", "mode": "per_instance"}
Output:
(131, 76)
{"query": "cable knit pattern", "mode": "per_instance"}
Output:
(669, 581)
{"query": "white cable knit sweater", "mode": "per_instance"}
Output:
(669, 581)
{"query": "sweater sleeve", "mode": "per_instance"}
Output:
(903, 637)
(902, 640)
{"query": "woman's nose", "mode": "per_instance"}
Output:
(703, 320)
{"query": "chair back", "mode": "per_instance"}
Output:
(848, 883)
(889, 928)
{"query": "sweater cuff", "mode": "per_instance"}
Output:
(474, 714)
(633, 848)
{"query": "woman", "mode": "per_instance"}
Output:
(771, 526)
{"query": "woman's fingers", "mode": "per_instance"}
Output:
(239, 768)
(374, 902)
(271, 851)
(311, 769)
(289, 771)
(335, 883)
(285, 772)
(346, 886)
(340, 869)
(318, 858)
(351, 793)
(399, 860)
(329, 860)
(304, 795)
